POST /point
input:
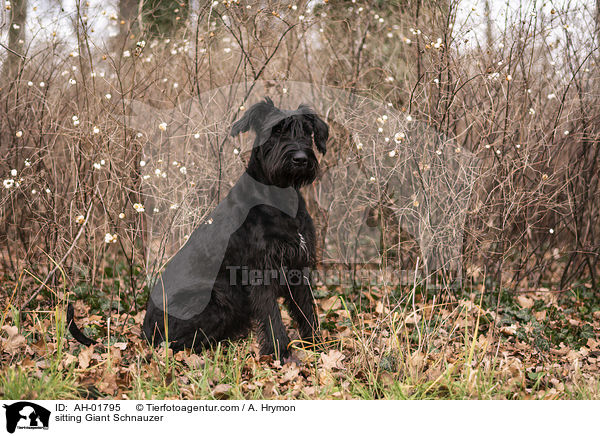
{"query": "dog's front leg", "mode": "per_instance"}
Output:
(272, 334)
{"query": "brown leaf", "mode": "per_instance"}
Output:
(332, 360)
(85, 356)
(413, 318)
(309, 391)
(525, 302)
(68, 359)
(331, 303)
(120, 345)
(11, 330)
(291, 374)
(108, 385)
(325, 377)
(221, 391)
(15, 341)
(417, 358)
(194, 361)
(386, 379)
(509, 330)
(269, 389)
(27, 363)
(139, 317)
(381, 309)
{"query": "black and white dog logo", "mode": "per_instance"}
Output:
(26, 415)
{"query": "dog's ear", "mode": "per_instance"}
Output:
(320, 132)
(253, 117)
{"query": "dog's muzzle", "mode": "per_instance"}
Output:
(300, 159)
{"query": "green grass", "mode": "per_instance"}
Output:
(20, 384)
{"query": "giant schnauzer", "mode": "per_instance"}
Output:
(258, 245)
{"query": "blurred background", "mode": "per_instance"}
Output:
(116, 112)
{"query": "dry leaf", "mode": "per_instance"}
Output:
(194, 361)
(509, 330)
(15, 341)
(309, 391)
(108, 385)
(413, 318)
(221, 391)
(331, 303)
(10, 330)
(68, 359)
(380, 308)
(291, 374)
(269, 389)
(85, 356)
(326, 377)
(120, 345)
(525, 302)
(332, 360)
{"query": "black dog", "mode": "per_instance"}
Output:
(257, 246)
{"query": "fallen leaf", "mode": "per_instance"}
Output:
(291, 374)
(509, 330)
(15, 341)
(108, 385)
(85, 356)
(194, 361)
(120, 345)
(326, 378)
(309, 391)
(68, 359)
(525, 302)
(269, 389)
(331, 303)
(11, 330)
(221, 391)
(381, 309)
(332, 359)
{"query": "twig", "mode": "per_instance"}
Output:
(57, 266)
(12, 51)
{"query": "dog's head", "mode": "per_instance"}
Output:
(283, 148)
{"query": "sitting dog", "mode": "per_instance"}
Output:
(258, 245)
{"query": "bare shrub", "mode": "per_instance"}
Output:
(523, 103)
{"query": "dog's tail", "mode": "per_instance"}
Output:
(77, 334)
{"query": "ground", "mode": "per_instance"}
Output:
(379, 343)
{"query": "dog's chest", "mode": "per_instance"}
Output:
(290, 250)
(273, 236)
(302, 244)
(288, 242)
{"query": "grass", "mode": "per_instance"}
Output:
(379, 344)
(18, 383)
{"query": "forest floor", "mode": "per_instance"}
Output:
(379, 343)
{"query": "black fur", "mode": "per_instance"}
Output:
(269, 239)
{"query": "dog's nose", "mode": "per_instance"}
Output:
(300, 159)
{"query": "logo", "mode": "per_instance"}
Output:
(26, 415)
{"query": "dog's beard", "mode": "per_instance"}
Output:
(286, 174)
(282, 172)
